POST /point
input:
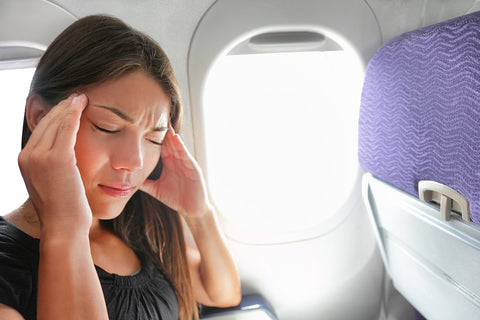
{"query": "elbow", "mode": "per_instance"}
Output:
(228, 302)
(237, 298)
(233, 300)
(229, 299)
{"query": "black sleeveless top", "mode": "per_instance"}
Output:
(144, 295)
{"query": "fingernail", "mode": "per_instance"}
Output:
(78, 97)
(73, 95)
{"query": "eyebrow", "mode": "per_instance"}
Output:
(126, 117)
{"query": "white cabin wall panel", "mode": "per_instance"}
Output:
(436, 11)
(475, 7)
(399, 16)
(336, 276)
(31, 23)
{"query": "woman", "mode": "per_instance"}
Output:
(99, 236)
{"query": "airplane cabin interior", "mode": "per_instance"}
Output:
(338, 138)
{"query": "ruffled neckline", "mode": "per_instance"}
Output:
(34, 244)
(137, 279)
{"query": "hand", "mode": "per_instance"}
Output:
(181, 185)
(48, 166)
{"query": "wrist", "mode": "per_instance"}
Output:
(64, 228)
(204, 210)
(201, 219)
(51, 238)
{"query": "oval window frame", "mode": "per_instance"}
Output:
(349, 23)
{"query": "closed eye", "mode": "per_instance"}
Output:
(155, 142)
(156, 137)
(105, 130)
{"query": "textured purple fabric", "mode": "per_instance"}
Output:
(420, 110)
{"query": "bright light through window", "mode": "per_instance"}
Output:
(281, 135)
(15, 85)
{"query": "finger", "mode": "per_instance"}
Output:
(176, 145)
(67, 130)
(181, 151)
(180, 146)
(178, 142)
(44, 133)
(185, 159)
(63, 128)
(167, 146)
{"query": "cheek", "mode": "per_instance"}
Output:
(151, 159)
(89, 153)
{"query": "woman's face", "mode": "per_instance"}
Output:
(118, 142)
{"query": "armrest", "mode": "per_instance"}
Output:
(252, 307)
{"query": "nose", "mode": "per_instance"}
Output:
(127, 155)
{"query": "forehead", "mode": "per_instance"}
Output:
(135, 94)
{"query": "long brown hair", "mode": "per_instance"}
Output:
(100, 48)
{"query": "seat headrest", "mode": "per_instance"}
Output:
(420, 110)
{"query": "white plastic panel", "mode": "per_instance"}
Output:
(308, 280)
(26, 29)
(433, 263)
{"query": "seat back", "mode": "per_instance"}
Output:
(420, 126)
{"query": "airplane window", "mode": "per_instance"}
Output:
(280, 137)
(15, 84)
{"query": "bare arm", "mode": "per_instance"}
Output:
(181, 187)
(68, 285)
(8, 313)
(57, 291)
(213, 270)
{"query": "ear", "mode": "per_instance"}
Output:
(36, 109)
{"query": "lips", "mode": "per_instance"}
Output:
(118, 191)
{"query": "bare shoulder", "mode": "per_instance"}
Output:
(8, 313)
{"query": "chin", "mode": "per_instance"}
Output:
(107, 211)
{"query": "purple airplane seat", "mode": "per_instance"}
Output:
(419, 140)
